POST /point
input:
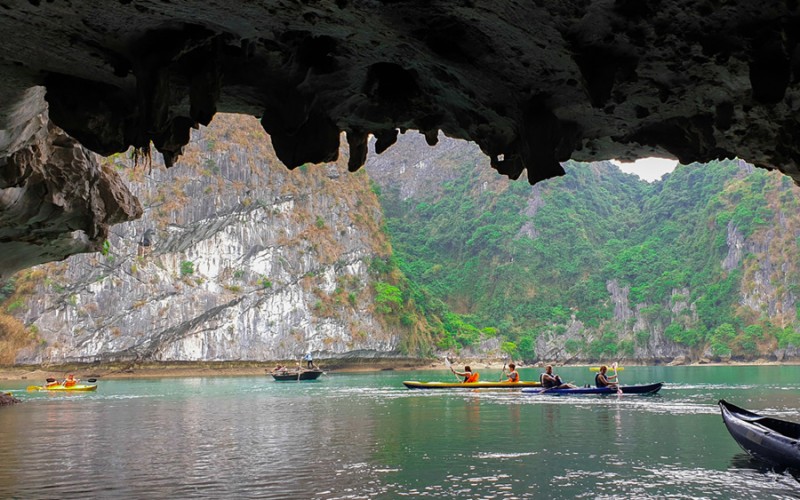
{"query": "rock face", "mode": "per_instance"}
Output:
(55, 199)
(234, 258)
(531, 83)
(7, 399)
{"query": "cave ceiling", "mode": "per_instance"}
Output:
(533, 83)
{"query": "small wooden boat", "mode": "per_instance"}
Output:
(297, 374)
(770, 439)
(626, 389)
(413, 384)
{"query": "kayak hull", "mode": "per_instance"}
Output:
(303, 375)
(765, 438)
(74, 388)
(629, 389)
(413, 384)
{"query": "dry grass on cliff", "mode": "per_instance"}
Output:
(13, 337)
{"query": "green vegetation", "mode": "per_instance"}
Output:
(472, 248)
(517, 262)
(6, 289)
(187, 268)
(388, 298)
(17, 304)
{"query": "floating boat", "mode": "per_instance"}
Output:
(61, 388)
(413, 384)
(626, 389)
(770, 439)
(297, 375)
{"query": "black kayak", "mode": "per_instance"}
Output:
(766, 438)
(626, 389)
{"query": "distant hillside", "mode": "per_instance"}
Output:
(426, 251)
(599, 264)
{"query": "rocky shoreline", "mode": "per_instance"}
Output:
(199, 369)
(7, 399)
(38, 373)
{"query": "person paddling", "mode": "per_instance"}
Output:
(469, 376)
(551, 381)
(513, 375)
(603, 380)
(69, 381)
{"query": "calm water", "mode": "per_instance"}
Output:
(366, 436)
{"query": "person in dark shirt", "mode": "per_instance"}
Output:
(551, 381)
(603, 380)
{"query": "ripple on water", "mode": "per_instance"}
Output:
(506, 455)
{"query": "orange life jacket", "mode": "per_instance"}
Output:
(513, 377)
(70, 383)
(473, 378)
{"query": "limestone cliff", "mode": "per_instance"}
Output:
(234, 258)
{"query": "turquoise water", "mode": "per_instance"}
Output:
(366, 436)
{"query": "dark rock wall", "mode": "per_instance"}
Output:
(55, 199)
(532, 83)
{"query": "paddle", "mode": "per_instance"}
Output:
(450, 367)
(616, 378)
(545, 391)
(49, 380)
(502, 373)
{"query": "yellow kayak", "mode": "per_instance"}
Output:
(413, 384)
(59, 387)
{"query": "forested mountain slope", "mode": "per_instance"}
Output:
(599, 264)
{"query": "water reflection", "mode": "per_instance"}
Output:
(747, 462)
(472, 414)
(550, 418)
